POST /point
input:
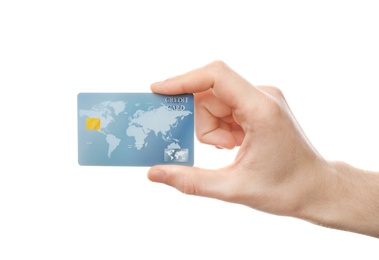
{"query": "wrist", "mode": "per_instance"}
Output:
(343, 197)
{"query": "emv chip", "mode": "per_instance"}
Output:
(92, 123)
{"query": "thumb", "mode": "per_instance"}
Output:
(191, 180)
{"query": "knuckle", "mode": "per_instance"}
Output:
(273, 101)
(218, 66)
(274, 109)
(272, 90)
(275, 91)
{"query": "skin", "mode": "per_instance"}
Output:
(276, 170)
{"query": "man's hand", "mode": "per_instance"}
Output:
(274, 157)
(276, 170)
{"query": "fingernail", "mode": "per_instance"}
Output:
(157, 176)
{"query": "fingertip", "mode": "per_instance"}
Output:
(155, 86)
(156, 175)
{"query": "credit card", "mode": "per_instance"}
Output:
(135, 129)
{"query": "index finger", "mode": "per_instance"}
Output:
(227, 85)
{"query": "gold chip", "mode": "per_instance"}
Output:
(92, 123)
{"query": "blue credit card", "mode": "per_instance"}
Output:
(135, 129)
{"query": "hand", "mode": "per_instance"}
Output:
(275, 158)
(276, 169)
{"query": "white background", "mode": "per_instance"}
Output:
(322, 54)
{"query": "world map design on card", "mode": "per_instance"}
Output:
(135, 129)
